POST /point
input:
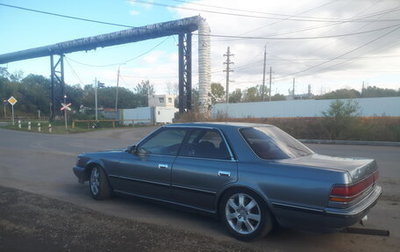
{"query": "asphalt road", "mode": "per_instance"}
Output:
(42, 163)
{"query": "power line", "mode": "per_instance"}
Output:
(126, 61)
(341, 55)
(73, 71)
(378, 13)
(302, 38)
(66, 16)
(253, 11)
(265, 17)
(288, 18)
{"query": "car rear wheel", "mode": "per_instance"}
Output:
(245, 215)
(98, 184)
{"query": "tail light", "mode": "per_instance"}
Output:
(347, 193)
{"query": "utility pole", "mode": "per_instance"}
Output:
(294, 83)
(65, 112)
(95, 97)
(270, 81)
(228, 70)
(362, 89)
(263, 83)
(116, 93)
(5, 103)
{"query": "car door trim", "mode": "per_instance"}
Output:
(141, 181)
(167, 201)
(194, 189)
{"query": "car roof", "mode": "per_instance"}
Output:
(218, 125)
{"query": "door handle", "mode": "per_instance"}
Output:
(162, 166)
(224, 174)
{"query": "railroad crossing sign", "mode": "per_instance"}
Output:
(12, 100)
(65, 106)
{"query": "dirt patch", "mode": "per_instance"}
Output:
(391, 188)
(30, 222)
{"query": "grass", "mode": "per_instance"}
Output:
(56, 127)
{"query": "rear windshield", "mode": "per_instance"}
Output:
(270, 142)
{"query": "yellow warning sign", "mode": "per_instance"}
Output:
(12, 100)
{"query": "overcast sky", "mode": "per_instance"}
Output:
(325, 44)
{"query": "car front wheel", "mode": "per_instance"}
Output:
(245, 215)
(98, 184)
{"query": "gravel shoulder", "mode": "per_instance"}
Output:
(30, 222)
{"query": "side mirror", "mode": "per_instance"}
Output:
(132, 149)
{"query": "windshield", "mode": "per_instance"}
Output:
(270, 142)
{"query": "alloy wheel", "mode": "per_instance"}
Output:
(243, 213)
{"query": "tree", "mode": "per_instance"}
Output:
(341, 94)
(235, 96)
(253, 94)
(172, 88)
(379, 92)
(35, 93)
(4, 73)
(340, 117)
(278, 97)
(143, 90)
(217, 92)
(16, 76)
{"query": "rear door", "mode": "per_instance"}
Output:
(204, 166)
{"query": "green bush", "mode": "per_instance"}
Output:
(341, 121)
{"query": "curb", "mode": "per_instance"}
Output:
(350, 142)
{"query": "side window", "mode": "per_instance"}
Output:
(204, 143)
(165, 142)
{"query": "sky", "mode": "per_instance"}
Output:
(327, 44)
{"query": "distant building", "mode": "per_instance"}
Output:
(161, 110)
(293, 96)
(162, 101)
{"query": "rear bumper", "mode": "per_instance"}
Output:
(325, 220)
(355, 214)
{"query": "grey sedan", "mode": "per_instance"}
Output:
(252, 176)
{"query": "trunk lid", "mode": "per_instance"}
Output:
(357, 168)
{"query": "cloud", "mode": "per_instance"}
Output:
(312, 60)
(154, 57)
(134, 12)
(147, 5)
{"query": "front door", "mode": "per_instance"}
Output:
(147, 172)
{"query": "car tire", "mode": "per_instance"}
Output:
(245, 215)
(98, 184)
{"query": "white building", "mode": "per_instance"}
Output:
(161, 109)
(161, 101)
